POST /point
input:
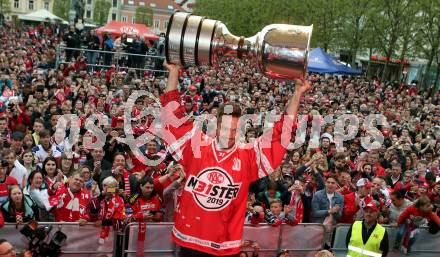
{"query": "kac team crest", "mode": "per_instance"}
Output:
(213, 188)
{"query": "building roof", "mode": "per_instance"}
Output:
(40, 15)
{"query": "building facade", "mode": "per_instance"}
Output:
(27, 6)
(162, 10)
(113, 14)
(125, 10)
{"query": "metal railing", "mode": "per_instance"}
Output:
(303, 239)
(106, 59)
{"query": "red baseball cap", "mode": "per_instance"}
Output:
(372, 206)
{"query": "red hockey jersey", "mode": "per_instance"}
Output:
(211, 210)
(72, 207)
(142, 206)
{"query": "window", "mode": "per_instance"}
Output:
(113, 16)
(165, 24)
(16, 4)
(46, 5)
(133, 20)
(153, 5)
(141, 3)
(156, 24)
(130, 2)
(115, 3)
(31, 4)
(124, 18)
(88, 14)
(170, 7)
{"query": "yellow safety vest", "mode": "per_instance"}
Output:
(357, 248)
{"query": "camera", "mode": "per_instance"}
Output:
(41, 243)
(272, 219)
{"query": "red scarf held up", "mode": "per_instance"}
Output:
(299, 208)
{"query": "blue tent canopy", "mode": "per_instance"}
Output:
(321, 62)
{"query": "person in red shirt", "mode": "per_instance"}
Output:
(147, 207)
(431, 182)
(345, 186)
(5, 182)
(354, 202)
(210, 212)
(147, 204)
(112, 211)
(412, 217)
(17, 116)
(373, 159)
(73, 201)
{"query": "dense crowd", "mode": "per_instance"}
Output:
(44, 179)
(124, 51)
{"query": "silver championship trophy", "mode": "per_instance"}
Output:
(279, 50)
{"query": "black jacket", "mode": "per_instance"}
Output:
(93, 42)
(30, 212)
(72, 40)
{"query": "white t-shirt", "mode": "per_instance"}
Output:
(329, 197)
(19, 172)
(41, 154)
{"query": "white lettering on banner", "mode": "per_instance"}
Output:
(213, 188)
(129, 30)
(164, 117)
(206, 243)
(148, 206)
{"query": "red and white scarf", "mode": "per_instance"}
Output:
(107, 208)
(125, 176)
(299, 208)
(127, 188)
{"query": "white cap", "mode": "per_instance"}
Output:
(363, 182)
(327, 135)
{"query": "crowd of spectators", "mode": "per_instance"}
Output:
(43, 179)
(124, 51)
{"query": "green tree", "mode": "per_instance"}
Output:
(5, 8)
(244, 17)
(354, 27)
(100, 11)
(61, 9)
(389, 26)
(406, 42)
(327, 18)
(428, 33)
(144, 15)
